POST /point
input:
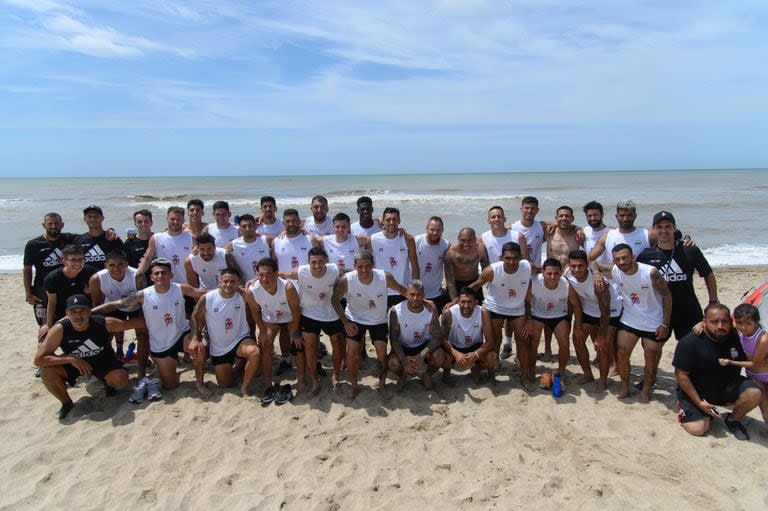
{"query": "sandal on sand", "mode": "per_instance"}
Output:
(284, 394)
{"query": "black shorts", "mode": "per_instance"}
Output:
(468, 349)
(40, 313)
(412, 352)
(228, 357)
(465, 283)
(100, 367)
(125, 316)
(592, 320)
(314, 326)
(441, 300)
(378, 332)
(651, 336)
(687, 411)
(551, 323)
(173, 351)
(511, 317)
(393, 300)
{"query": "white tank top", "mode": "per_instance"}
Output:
(392, 255)
(341, 254)
(367, 303)
(358, 230)
(591, 236)
(114, 290)
(414, 326)
(549, 303)
(165, 316)
(586, 292)
(175, 249)
(430, 259)
(225, 321)
(208, 271)
(506, 293)
(247, 255)
(643, 308)
(316, 293)
(273, 229)
(493, 244)
(465, 332)
(222, 236)
(291, 252)
(322, 229)
(274, 307)
(637, 239)
(534, 238)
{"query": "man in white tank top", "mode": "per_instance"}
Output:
(507, 282)
(597, 320)
(636, 237)
(430, 253)
(465, 340)
(274, 306)
(117, 281)
(367, 225)
(365, 290)
(245, 252)
(534, 231)
(319, 224)
(224, 314)
(203, 268)
(547, 304)
(267, 223)
(646, 315)
(173, 245)
(195, 213)
(341, 246)
(395, 252)
(290, 251)
(593, 211)
(222, 229)
(415, 335)
(163, 309)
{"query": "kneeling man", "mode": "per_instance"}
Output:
(465, 337)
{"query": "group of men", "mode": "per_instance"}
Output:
(227, 291)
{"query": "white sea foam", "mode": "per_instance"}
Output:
(736, 255)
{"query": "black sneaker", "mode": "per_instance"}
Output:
(321, 370)
(65, 409)
(506, 351)
(283, 367)
(269, 395)
(283, 395)
(736, 428)
(322, 351)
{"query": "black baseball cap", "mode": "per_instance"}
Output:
(663, 215)
(93, 208)
(78, 301)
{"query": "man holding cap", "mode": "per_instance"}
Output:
(97, 243)
(85, 346)
(676, 262)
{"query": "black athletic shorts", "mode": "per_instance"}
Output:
(393, 300)
(496, 315)
(125, 316)
(651, 336)
(378, 332)
(228, 357)
(173, 351)
(687, 411)
(100, 367)
(314, 326)
(441, 300)
(412, 352)
(592, 320)
(551, 323)
(40, 313)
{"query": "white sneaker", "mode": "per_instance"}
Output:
(153, 389)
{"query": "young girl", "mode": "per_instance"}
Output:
(754, 340)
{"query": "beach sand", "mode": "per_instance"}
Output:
(456, 447)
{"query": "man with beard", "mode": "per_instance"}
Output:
(97, 242)
(563, 239)
(637, 238)
(319, 224)
(203, 269)
(593, 211)
(462, 260)
(174, 245)
(703, 383)
(395, 252)
(246, 251)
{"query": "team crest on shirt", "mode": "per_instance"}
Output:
(279, 313)
(428, 268)
(467, 339)
(294, 262)
(371, 304)
(168, 319)
(175, 259)
(634, 298)
(340, 264)
(550, 306)
(392, 262)
(511, 293)
(416, 336)
(322, 295)
(228, 324)
(734, 354)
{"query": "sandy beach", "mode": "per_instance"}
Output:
(459, 446)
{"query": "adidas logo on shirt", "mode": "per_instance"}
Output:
(95, 254)
(53, 259)
(87, 349)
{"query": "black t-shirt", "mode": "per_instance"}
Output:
(90, 345)
(698, 355)
(63, 287)
(677, 267)
(96, 248)
(45, 256)
(134, 249)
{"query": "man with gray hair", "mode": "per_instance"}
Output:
(636, 237)
(415, 335)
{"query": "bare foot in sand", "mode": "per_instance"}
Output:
(204, 391)
(624, 392)
(426, 378)
(587, 378)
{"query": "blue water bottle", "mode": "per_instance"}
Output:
(131, 353)
(557, 390)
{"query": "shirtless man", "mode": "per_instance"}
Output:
(563, 240)
(274, 306)
(547, 304)
(462, 262)
(84, 342)
(222, 229)
(365, 289)
(224, 314)
(267, 223)
(463, 328)
(430, 253)
(341, 247)
(319, 224)
(196, 210)
(646, 316)
(416, 338)
(367, 225)
(395, 253)
(204, 267)
(173, 245)
(116, 281)
(507, 283)
(245, 252)
(162, 305)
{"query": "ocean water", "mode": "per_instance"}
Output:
(722, 210)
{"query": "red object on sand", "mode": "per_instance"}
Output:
(758, 296)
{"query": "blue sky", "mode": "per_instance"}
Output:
(205, 87)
